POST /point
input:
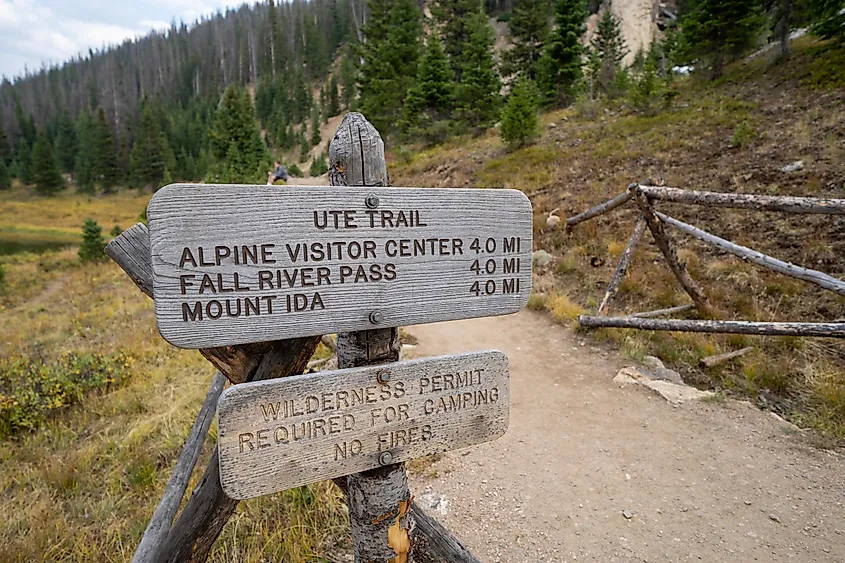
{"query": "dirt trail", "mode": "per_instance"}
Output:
(589, 471)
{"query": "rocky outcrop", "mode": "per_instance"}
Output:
(642, 21)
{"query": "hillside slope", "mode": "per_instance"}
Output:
(731, 136)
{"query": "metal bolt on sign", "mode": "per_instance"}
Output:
(386, 458)
(383, 376)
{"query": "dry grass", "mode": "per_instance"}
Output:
(783, 112)
(83, 487)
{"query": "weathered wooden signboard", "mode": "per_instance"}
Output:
(278, 434)
(237, 264)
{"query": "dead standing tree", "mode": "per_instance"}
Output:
(381, 506)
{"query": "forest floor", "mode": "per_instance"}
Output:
(593, 471)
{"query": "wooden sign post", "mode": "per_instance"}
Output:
(236, 266)
(280, 434)
(259, 263)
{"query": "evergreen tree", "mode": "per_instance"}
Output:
(93, 245)
(48, 180)
(559, 69)
(315, 126)
(304, 149)
(477, 95)
(83, 173)
(453, 19)
(23, 160)
(348, 78)
(529, 27)
(5, 147)
(235, 141)
(147, 160)
(334, 99)
(104, 168)
(718, 29)
(390, 56)
(828, 17)
(609, 48)
(66, 142)
(429, 102)
(5, 181)
(519, 119)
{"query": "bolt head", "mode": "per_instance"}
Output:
(376, 317)
(383, 376)
(386, 458)
(371, 201)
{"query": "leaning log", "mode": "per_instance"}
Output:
(207, 511)
(624, 263)
(719, 359)
(605, 207)
(832, 330)
(756, 202)
(159, 526)
(379, 500)
(665, 245)
(813, 276)
(663, 312)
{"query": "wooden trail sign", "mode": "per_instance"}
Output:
(279, 434)
(237, 264)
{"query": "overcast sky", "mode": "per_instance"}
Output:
(51, 31)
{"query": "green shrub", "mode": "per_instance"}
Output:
(319, 166)
(30, 388)
(93, 245)
(115, 231)
(2, 278)
(743, 135)
(294, 170)
(519, 121)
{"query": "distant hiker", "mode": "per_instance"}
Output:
(279, 173)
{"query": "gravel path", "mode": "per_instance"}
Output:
(590, 471)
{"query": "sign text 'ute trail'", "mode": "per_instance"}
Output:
(239, 264)
(279, 434)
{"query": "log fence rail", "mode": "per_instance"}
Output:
(646, 197)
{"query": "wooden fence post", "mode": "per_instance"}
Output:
(655, 225)
(622, 269)
(379, 500)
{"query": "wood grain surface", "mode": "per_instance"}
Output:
(452, 254)
(276, 435)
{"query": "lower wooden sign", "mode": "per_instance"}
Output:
(284, 433)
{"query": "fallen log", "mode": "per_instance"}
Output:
(813, 276)
(831, 330)
(622, 269)
(719, 359)
(663, 312)
(665, 245)
(787, 204)
(599, 209)
(159, 526)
